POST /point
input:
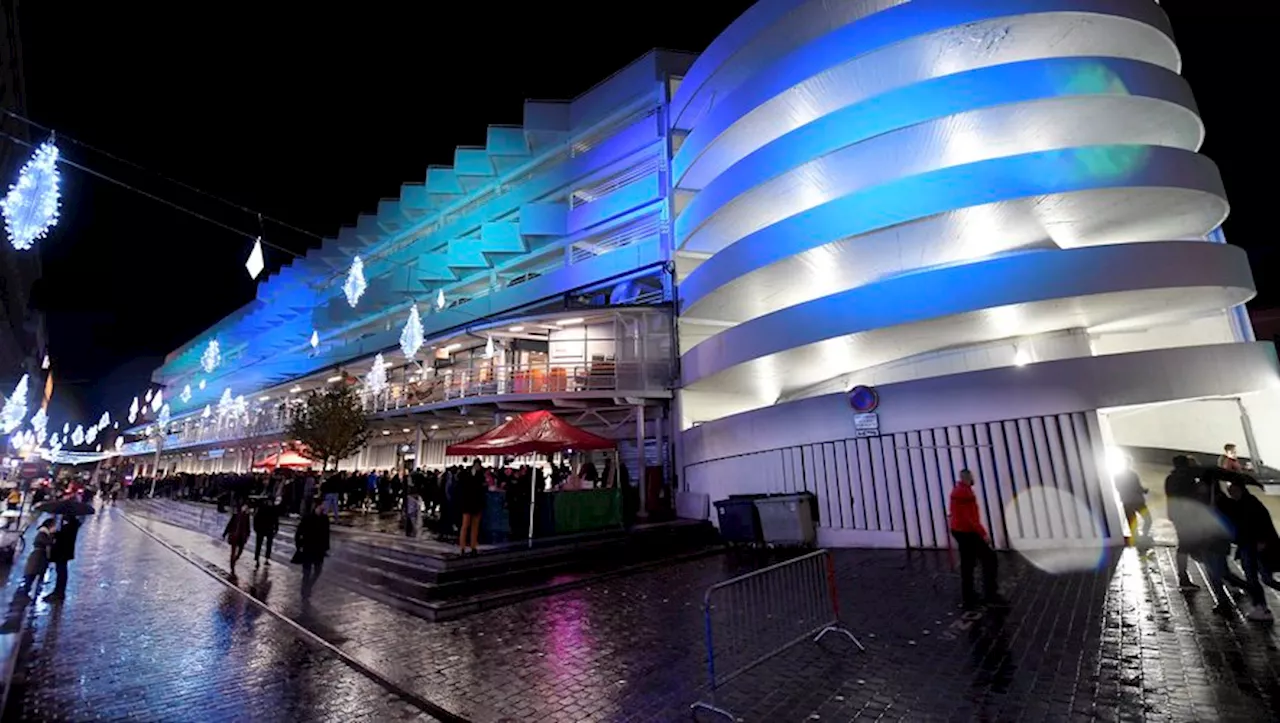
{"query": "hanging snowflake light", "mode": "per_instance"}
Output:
(15, 407)
(66, 428)
(55, 441)
(90, 435)
(211, 357)
(31, 207)
(105, 420)
(411, 337)
(163, 419)
(255, 263)
(440, 299)
(488, 348)
(147, 398)
(39, 422)
(157, 401)
(202, 385)
(376, 379)
(208, 410)
(355, 285)
(133, 413)
(185, 396)
(119, 443)
(315, 339)
(45, 364)
(77, 436)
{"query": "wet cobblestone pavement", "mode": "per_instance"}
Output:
(144, 635)
(1118, 643)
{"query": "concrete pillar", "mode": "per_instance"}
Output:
(417, 446)
(1247, 424)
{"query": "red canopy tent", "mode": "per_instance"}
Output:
(288, 459)
(541, 432)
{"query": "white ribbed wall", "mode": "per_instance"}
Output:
(861, 183)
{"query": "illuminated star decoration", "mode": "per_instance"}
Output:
(133, 413)
(31, 207)
(15, 407)
(77, 436)
(411, 337)
(355, 285)
(211, 357)
(185, 396)
(376, 379)
(157, 401)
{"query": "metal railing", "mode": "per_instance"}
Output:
(753, 617)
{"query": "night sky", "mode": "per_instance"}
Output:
(313, 118)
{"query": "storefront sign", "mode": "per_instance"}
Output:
(866, 424)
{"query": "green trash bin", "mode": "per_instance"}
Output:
(787, 520)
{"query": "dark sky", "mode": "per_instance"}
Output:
(312, 117)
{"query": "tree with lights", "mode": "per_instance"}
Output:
(331, 424)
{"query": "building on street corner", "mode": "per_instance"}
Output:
(993, 215)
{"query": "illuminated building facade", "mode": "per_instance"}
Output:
(992, 212)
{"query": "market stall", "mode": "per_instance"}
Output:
(557, 512)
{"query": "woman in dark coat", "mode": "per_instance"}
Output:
(38, 560)
(236, 533)
(311, 545)
(472, 498)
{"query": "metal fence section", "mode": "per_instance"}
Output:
(756, 616)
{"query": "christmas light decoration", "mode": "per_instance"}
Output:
(376, 379)
(90, 435)
(31, 207)
(77, 436)
(147, 398)
(225, 403)
(211, 357)
(15, 407)
(440, 299)
(119, 443)
(55, 441)
(45, 364)
(315, 339)
(208, 410)
(255, 263)
(185, 396)
(163, 420)
(488, 348)
(133, 413)
(66, 428)
(355, 285)
(39, 422)
(411, 337)
(157, 401)
(202, 385)
(105, 420)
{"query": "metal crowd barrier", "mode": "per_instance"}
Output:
(756, 616)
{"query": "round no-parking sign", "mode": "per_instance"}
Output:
(863, 399)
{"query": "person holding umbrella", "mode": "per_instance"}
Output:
(62, 552)
(38, 559)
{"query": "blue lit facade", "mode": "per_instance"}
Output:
(994, 212)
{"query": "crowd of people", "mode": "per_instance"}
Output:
(451, 502)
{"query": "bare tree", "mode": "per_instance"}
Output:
(331, 424)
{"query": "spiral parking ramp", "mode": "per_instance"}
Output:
(861, 181)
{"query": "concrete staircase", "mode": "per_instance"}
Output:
(431, 580)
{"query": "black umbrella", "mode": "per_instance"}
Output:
(65, 507)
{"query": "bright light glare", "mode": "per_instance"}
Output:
(1117, 461)
(570, 322)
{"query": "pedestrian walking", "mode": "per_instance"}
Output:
(1184, 512)
(412, 510)
(61, 553)
(311, 545)
(972, 541)
(38, 558)
(1134, 498)
(1229, 459)
(1254, 531)
(473, 496)
(236, 533)
(266, 523)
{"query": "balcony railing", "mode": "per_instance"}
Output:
(495, 380)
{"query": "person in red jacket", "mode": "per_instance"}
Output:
(971, 538)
